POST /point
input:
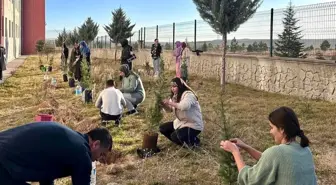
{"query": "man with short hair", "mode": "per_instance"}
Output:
(111, 102)
(156, 54)
(44, 151)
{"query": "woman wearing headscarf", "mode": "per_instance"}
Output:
(132, 89)
(178, 53)
(189, 122)
(85, 50)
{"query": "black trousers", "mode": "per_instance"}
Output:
(185, 135)
(107, 117)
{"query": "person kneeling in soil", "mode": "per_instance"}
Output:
(290, 162)
(44, 151)
(132, 89)
(189, 122)
(111, 102)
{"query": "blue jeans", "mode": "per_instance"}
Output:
(156, 66)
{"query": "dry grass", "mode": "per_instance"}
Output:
(25, 94)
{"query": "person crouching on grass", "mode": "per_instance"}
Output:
(111, 102)
(290, 162)
(189, 122)
(45, 151)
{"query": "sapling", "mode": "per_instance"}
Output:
(228, 169)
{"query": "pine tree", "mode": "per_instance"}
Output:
(88, 31)
(73, 36)
(225, 16)
(120, 28)
(234, 45)
(289, 44)
(154, 114)
(325, 45)
(228, 170)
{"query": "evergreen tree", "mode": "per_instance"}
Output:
(210, 46)
(249, 48)
(234, 45)
(325, 45)
(289, 44)
(88, 31)
(204, 47)
(120, 28)
(225, 16)
(228, 169)
(167, 46)
(73, 36)
(62, 37)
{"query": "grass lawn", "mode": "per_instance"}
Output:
(25, 94)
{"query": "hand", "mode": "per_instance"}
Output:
(165, 101)
(229, 146)
(239, 143)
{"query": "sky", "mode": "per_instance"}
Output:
(144, 13)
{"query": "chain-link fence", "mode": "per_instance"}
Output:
(317, 24)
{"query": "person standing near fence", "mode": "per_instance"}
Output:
(156, 53)
(126, 54)
(178, 54)
(64, 58)
(2, 61)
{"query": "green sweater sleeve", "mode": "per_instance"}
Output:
(264, 172)
(130, 84)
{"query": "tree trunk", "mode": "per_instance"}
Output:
(115, 52)
(223, 61)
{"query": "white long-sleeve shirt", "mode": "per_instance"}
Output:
(111, 101)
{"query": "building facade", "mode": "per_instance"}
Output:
(19, 31)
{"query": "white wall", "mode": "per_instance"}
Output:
(12, 16)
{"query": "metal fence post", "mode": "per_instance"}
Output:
(105, 41)
(173, 36)
(195, 29)
(141, 41)
(271, 34)
(144, 37)
(157, 31)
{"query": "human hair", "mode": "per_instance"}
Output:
(286, 119)
(102, 135)
(110, 83)
(155, 40)
(182, 87)
(184, 45)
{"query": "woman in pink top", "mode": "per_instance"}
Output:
(178, 54)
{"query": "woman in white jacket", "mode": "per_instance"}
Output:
(189, 122)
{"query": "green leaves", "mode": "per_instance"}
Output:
(120, 28)
(225, 16)
(88, 31)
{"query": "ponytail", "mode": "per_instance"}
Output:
(304, 139)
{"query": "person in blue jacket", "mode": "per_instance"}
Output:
(45, 151)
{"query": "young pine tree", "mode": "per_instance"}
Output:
(154, 114)
(228, 169)
(289, 44)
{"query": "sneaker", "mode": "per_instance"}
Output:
(134, 111)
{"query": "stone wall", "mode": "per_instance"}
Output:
(314, 79)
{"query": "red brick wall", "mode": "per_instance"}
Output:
(33, 24)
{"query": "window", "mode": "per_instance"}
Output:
(13, 30)
(6, 34)
(10, 28)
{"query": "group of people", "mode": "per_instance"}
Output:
(45, 151)
(181, 54)
(74, 66)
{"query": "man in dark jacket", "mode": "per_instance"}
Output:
(126, 54)
(156, 52)
(44, 151)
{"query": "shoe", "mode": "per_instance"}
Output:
(134, 111)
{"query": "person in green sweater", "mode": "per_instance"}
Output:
(287, 163)
(132, 89)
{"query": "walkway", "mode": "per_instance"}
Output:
(12, 66)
